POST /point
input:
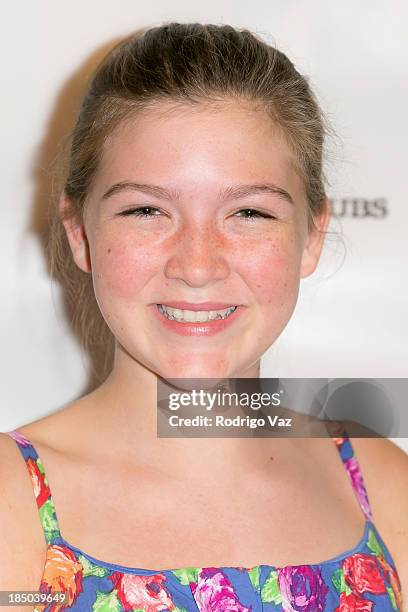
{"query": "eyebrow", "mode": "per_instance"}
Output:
(225, 194)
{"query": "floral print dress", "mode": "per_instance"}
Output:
(363, 579)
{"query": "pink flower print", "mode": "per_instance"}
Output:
(142, 592)
(302, 588)
(213, 592)
(354, 473)
(19, 437)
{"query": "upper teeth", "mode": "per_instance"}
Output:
(195, 315)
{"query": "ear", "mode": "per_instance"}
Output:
(315, 240)
(76, 234)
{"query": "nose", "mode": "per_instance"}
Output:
(198, 256)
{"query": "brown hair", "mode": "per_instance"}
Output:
(188, 63)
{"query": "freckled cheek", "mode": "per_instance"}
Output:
(272, 273)
(122, 271)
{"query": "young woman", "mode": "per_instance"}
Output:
(194, 181)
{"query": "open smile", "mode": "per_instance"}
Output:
(197, 322)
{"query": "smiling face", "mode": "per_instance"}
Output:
(197, 243)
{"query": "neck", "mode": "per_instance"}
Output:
(126, 411)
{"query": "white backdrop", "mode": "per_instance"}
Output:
(349, 321)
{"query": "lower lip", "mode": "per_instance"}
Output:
(207, 328)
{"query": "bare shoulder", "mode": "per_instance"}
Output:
(22, 544)
(384, 466)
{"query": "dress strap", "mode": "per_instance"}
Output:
(42, 492)
(352, 466)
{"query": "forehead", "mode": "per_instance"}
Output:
(197, 145)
